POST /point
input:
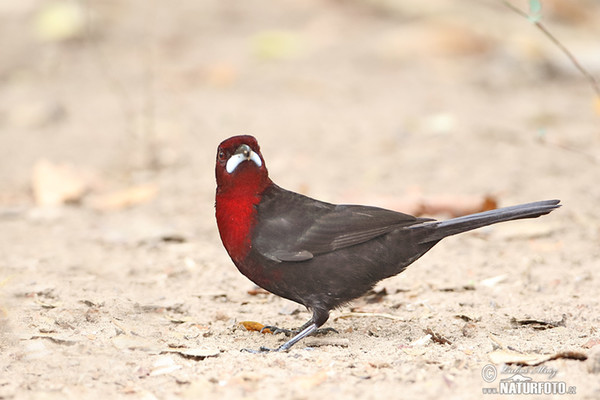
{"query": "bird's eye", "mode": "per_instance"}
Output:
(221, 155)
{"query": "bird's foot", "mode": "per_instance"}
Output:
(306, 331)
(324, 331)
(289, 332)
(275, 330)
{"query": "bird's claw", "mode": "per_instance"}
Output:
(288, 332)
(275, 330)
(311, 329)
(324, 331)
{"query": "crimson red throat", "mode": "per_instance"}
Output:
(318, 254)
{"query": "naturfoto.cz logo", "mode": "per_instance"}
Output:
(519, 383)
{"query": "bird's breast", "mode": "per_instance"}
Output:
(236, 216)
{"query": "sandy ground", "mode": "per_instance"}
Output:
(356, 102)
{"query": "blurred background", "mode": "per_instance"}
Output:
(110, 116)
(342, 95)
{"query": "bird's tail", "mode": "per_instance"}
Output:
(437, 230)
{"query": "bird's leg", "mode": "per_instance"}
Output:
(320, 331)
(286, 346)
(301, 335)
(288, 332)
(319, 317)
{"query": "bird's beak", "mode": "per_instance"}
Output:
(243, 153)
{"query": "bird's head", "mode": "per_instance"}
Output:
(240, 165)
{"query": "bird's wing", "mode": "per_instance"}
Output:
(293, 227)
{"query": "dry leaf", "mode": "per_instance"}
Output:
(539, 324)
(56, 339)
(255, 326)
(57, 184)
(432, 40)
(457, 206)
(125, 198)
(574, 12)
(178, 319)
(221, 75)
(512, 357)
(437, 337)
(196, 353)
(444, 39)
(467, 318)
(443, 205)
(374, 296)
(46, 304)
(462, 288)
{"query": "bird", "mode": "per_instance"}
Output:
(318, 254)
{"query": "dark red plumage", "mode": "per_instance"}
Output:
(237, 197)
(319, 254)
